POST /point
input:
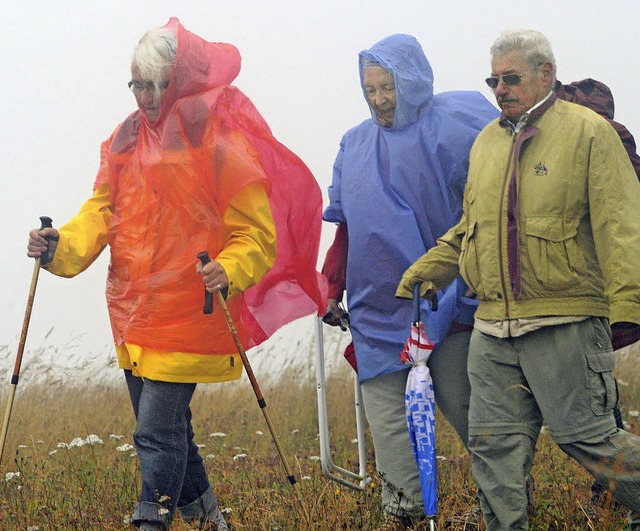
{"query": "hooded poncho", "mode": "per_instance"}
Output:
(398, 189)
(170, 183)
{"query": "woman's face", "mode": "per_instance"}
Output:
(381, 91)
(148, 96)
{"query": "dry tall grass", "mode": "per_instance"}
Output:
(52, 478)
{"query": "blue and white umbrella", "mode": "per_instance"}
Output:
(420, 407)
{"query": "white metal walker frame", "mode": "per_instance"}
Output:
(353, 480)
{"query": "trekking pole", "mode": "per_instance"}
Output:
(46, 222)
(204, 258)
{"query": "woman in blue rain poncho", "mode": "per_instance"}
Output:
(397, 186)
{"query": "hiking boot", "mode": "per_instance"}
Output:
(469, 521)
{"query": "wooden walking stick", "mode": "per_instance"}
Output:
(208, 308)
(45, 223)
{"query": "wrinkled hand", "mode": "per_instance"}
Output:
(214, 276)
(42, 244)
(624, 334)
(336, 316)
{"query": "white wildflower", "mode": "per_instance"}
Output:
(217, 434)
(63, 445)
(202, 445)
(22, 446)
(314, 458)
(78, 441)
(10, 475)
(124, 448)
(239, 456)
(53, 452)
(441, 457)
(33, 528)
(209, 456)
(293, 432)
(93, 439)
(305, 478)
(634, 414)
(115, 437)
(259, 433)
(226, 510)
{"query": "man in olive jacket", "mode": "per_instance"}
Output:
(549, 241)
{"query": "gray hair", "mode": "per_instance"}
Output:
(535, 46)
(155, 53)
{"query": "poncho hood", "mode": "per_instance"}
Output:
(402, 56)
(198, 66)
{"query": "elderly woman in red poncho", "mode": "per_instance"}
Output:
(194, 168)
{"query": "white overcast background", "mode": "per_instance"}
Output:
(63, 91)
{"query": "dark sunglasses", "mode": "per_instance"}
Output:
(508, 79)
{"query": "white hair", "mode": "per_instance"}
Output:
(534, 45)
(154, 55)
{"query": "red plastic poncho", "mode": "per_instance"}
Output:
(170, 182)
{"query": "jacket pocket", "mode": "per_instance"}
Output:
(602, 385)
(468, 260)
(554, 256)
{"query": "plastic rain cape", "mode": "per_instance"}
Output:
(398, 190)
(170, 182)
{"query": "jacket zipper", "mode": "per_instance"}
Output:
(500, 223)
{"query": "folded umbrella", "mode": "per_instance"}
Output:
(420, 406)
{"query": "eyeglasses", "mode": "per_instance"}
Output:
(508, 79)
(511, 80)
(138, 88)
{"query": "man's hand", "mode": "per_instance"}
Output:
(415, 274)
(336, 316)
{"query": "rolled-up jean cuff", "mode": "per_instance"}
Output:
(145, 511)
(200, 507)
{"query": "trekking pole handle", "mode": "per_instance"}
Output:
(46, 222)
(208, 297)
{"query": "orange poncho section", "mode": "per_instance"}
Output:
(171, 182)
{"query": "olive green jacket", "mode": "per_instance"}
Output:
(578, 222)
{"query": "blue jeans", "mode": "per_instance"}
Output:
(173, 473)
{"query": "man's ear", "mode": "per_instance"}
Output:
(547, 73)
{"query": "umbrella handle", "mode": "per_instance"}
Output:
(416, 302)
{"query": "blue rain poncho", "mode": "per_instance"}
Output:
(398, 189)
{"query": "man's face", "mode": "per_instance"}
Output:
(381, 91)
(535, 84)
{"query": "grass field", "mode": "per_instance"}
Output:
(69, 462)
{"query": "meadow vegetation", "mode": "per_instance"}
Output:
(69, 461)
